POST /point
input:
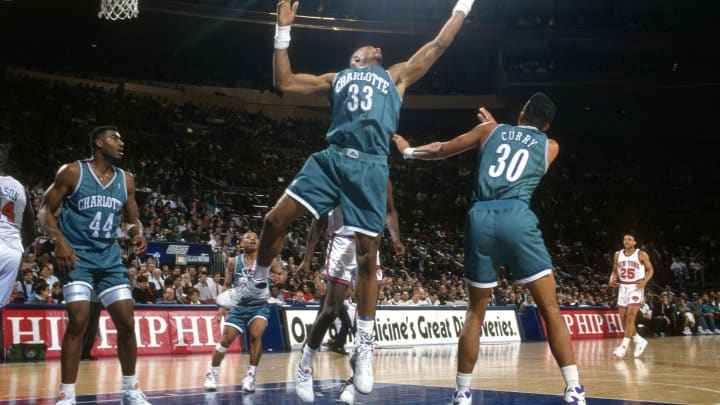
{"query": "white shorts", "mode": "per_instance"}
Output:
(9, 267)
(341, 264)
(630, 294)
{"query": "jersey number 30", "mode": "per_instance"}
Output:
(106, 227)
(512, 169)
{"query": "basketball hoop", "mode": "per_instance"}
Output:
(118, 9)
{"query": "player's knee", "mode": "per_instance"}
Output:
(77, 324)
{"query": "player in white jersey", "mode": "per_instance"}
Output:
(341, 270)
(17, 227)
(632, 271)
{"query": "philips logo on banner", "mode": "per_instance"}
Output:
(177, 249)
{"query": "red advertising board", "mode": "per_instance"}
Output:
(172, 331)
(591, 323)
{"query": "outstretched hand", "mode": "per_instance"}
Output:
(286, 10)
(401, 142)
(485, 116)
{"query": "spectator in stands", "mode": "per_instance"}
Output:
(664, 317)
(16, 297)
(685, 316)
(46, 273)
(203, 287)
(27, 285)
(696, 306)
(156, 283)
(142, 293)
(180, 294)
(42, 293)
(57, 293)
(194, 297)
(710, 314)
(168, 296)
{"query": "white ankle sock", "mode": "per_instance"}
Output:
(570, 375)
(462, 380)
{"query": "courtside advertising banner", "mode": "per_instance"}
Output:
(158, 331)
(411, 326)
(591, 323)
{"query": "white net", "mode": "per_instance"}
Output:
(118, 9)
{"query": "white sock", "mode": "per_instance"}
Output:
(215, 370)
(129, 382)
(307, 357)
(365, 326)
(251, 370)
(570, 375)
(625, 342)
(68, 390)
(637, 338)
(462, 380)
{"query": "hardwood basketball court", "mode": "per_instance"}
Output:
(673, 370)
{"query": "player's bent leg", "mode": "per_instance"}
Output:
(229, 335)
(255, 332)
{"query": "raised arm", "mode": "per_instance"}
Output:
(406, 73)
(134, 229)
(284, 79)
(442, 150)
(65, 181)
(392, 222)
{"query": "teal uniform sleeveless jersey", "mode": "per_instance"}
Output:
(511, 163)
(254, 303)
(89, 220)
(500, 228)
(365, 110)
(352, 172)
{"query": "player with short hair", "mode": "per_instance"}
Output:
(249, 318)
(352, 172)
(632, 271)
(94, 194)
(500, 229)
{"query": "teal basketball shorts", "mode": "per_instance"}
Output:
(101, 270)
(354, 180)
(503, 232)
(241, 316)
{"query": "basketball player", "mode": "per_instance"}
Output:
(632, 270)
(352, 171)
(17, 227)
(341, 267)
(94, 194)
(500, 229)
(249, 318)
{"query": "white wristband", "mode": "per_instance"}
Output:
(282, 36)
(409, 153)
(464, 6)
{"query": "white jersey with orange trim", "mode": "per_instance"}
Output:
(12, 207)
(629, 268)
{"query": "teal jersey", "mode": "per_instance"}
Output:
(511, 163)
(241, 274)
(365, 110)
(253, 291)
(90, 216)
